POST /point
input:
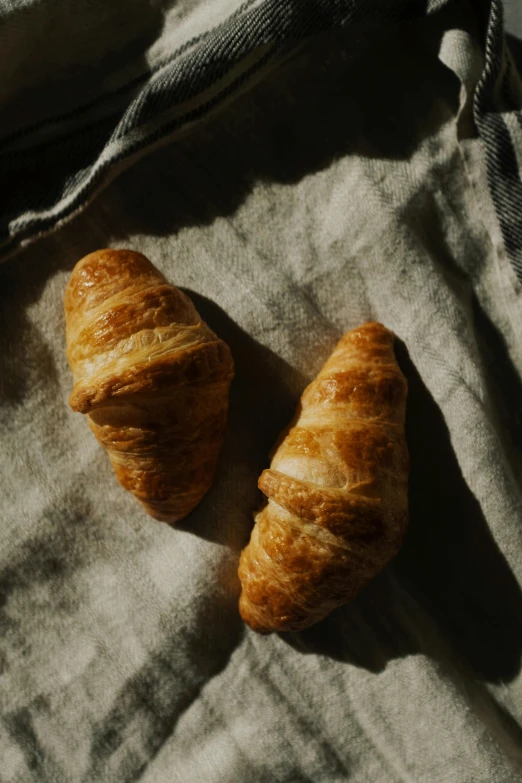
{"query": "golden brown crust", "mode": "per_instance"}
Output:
(337, 490)
(152, 377)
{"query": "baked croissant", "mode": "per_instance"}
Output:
(152, 377)
(337, 490)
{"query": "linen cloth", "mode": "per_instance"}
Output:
(365, 171)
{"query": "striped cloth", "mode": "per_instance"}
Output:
(51, 168)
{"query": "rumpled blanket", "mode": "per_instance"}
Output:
(298, 168)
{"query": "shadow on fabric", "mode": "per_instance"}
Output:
(263, 397)
(151, 700)
(76, 85)
(515, 47)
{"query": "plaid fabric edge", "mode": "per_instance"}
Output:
(495, 105)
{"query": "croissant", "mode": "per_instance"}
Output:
(152, 377)
(337, 490)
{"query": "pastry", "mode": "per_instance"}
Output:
(151, 376)
(337, 504)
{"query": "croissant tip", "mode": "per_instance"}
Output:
(373, 326)
(105, 264)
(110, 252)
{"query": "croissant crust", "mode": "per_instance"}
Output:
(151, 376)
(336, 490)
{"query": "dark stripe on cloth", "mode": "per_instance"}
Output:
(66, 171)
(493, 97)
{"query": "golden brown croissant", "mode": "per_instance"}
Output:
(337, 490)
(152, 377)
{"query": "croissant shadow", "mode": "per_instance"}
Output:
(450, 574)
(263, 396)
(450, 556)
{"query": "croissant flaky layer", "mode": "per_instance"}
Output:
(337, 503)
(151, 376)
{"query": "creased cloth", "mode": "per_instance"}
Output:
(371, 172)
